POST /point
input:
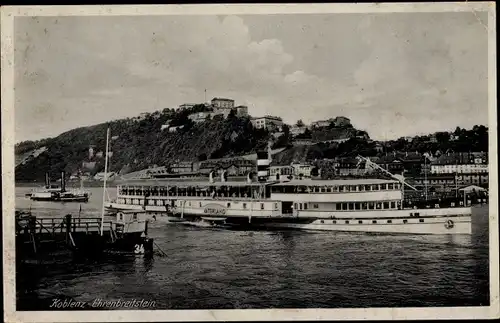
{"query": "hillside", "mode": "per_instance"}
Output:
(138, 144)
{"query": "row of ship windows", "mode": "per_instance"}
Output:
(364, 222)
(355, 206)
(189, 203)
(335, 189)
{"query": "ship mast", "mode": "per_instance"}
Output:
(105, 177)
(387, 172)
(425, 177)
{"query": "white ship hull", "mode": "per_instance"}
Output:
(461, 225)
(429, 221)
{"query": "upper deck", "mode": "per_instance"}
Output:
(297, 190)
(348, 190)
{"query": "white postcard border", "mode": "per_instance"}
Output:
(8, 189)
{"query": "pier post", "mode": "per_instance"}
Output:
(32, 231)
(67, 219)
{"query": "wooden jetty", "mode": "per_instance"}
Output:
(50, 237)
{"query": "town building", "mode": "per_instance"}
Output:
(202, 116)
(267, 122)
(321, 123)
(222, 103)
(241, 111)
(284, 171)
(182, 167)
(341, 122)
(297, 130)
(461, 163)
(232, 166)
(186, 106)
(349, 166)
(303, 170)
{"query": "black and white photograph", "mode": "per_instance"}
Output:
(249, 162)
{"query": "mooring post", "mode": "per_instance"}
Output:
(68, 227)
(32, 231)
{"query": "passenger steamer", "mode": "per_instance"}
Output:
(354, 205)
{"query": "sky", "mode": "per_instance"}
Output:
(392, 74)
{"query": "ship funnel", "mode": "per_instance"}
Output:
(63, 182)
(263, 164)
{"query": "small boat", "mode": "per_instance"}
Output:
(54, 193)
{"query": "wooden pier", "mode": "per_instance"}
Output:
(46, 237)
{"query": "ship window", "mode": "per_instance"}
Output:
(391, 186)
(343, 188)
(134, 217)
(405, 221)
(322, 221)
(244, 205)
(374, 221)
(334, 222)
(351, 206)
(417, 214)
(367, 187)
(189, 203)
(276, 206)
(336, 188)
(329, 189)
(357, 206)
(393, 205)
(200, 204)
(421, 220)
(360, 222)
(374, 187)
(338, 206)
(228, 204)
(315, 206)
(389, 221)
(305, 206)
(386, 205)
(344, 206)
(364, 206)
(262, 206)
(346, 222)
(379, 206)
(361, 188)
(121, 217)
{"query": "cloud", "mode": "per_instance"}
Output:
(392, 74)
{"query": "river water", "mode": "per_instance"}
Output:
(223, 269)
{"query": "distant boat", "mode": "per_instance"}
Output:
(54, 193)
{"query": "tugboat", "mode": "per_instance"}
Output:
(53, 193)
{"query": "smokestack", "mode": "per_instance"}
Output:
(262, 166)
(63, 182)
